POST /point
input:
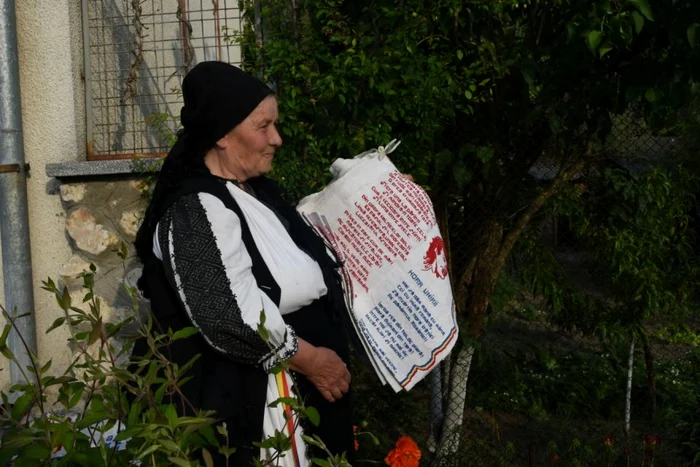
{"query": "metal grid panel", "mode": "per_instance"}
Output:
(136, 54)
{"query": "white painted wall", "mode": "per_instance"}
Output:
(53, 118)
(54, 122)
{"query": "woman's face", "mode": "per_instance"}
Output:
(247, 150)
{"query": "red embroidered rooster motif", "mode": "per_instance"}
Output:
(435, 258)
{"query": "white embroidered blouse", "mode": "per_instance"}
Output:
(212, 270)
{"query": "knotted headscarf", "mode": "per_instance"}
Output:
(217, 97)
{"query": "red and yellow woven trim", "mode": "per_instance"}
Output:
(284, 390)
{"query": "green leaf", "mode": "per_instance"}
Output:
(7, 353)
(692, 34)
(282, 400)
(263, 332)
(64, 300)
(208, 460)
(123, 251)
(313, 415)
(77, 395)
(149, 450)
(57, 323)
(171, 415)
(207, 432)
(226, 452)
(91, 417)
(184, 333)
(460, 54)
(605, 48)
(638, 21)
(134, 412)
(36, 452)
(22, 405)
(644, 8)
(184, 368)
(5, 332)
(320, 462)
(46, 367)
(96, 331)
(594, 40)
(180, 462)
(651, 95)
(170, 445)
(160, 392)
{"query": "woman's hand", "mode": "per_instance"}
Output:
(330, 375)
(324, 368)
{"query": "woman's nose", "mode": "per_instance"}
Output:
(275, 138)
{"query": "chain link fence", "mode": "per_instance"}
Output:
(538, 393)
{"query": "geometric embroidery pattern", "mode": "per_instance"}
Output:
(205, 288)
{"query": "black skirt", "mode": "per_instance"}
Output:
(315, 324)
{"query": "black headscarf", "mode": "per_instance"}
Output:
(217, 97)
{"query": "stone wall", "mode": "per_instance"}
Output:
(100, 217)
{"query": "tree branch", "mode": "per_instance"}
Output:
(564, 176)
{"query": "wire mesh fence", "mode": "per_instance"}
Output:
(136, 54)
(541, 394)
(538, 393)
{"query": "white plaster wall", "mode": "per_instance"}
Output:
(53, 118)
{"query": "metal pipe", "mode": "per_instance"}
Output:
(14, 228)
(87, 67)
(628, 392)
(436, 410)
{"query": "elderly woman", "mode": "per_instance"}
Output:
(220, 247)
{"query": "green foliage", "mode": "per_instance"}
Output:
(641, 237)
(71, 414)
(478, 92)
(543, 382)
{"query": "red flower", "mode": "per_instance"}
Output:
(652, 440)
(357, 446)
(609, 440)
(627, 451)
(555, 458)
(404, 454)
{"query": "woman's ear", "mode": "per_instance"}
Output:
(223, 142)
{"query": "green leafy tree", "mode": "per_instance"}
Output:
(480, 92)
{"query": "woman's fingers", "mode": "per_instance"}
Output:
(328, 396)
(330, 375)
(337, 394)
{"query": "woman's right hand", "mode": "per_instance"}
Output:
(324, 368)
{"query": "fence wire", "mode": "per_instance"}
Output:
(538, 394)
(136, 54)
